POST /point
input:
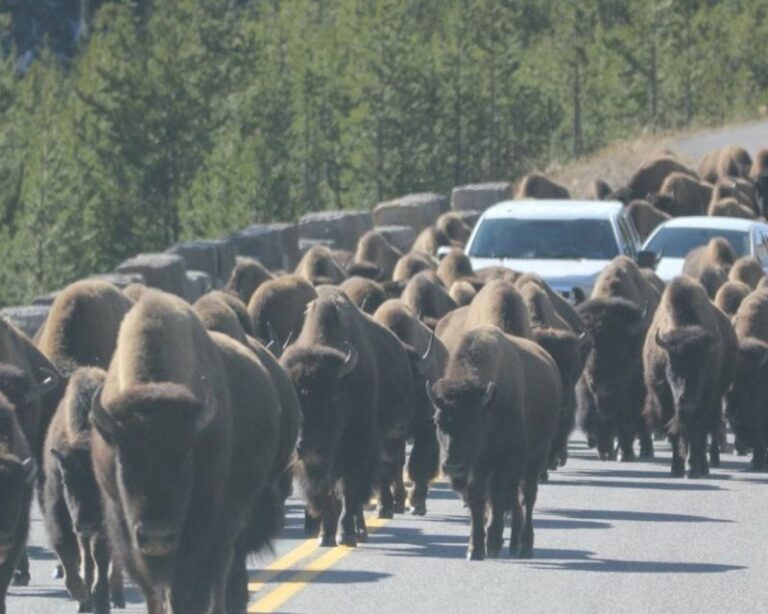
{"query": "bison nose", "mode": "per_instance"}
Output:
(155, 541)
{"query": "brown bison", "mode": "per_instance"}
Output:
(610, 393)
(455, 266)
(365, 293)
(497, 272)
(279, 305)
(184, 439)
(747, 269)
(733, 161)
(759, 176)
(718, 252)
(349, 373)
(208, 309)
(730, 207)
(497, 410)
(246, 278)
(689, 358)
(649, 178)
(742, 190)
(319, 266)
(681, 194)
(646, 217)
(374, 248)
(71, 502)
(746, 402)
(430, 239)
(453, 225)
(563, 308)
(536, 185)
(462, 292)
(730, 296)
(498, 304)
(410, 265)
(17, 477)
(419, 341)
(597, 189)
(425, 294)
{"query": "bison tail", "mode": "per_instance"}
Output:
(267, 519)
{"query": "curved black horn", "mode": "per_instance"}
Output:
(288, 340)
(274, 344)
(350, 361)
(364, 303)
(641, 325)
(490, 390)
(103, 421)
(207, 411)
(29, 466)
(424, 362)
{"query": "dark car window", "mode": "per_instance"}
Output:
(677, 242)
(545, 239)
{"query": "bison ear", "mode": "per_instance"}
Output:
(102, 421)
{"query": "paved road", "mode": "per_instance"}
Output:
(609, 537)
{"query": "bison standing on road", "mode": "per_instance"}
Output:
(279, 305)
(185, 431)
(497, 410)
(689, 357)
(730, 296)
(246, 278)
(536, 185)
(17, 477)
(611, 390)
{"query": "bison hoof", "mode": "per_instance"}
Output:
(347, 540)
(76, 589)
(362, 536)
(646, 454)
(563, 460)
(526, 552)
(118, 601)
(476, 554)
(419, 509)
(58, 572)
(714, 461)
(85, 606)
(493, 553)
(544, 477)
(400, 507)
(326, 541)
(591, 442)
(625, 456)
(386, 512)
(21, 578)
(694, 473)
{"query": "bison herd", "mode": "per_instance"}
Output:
(162, 439)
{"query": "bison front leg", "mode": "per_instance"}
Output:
(477, 503)
(116, 587)
(678, 460)
(423, 464)
(329, 519)
(530, 491)
(518, 517)
(87, 572)
(499, 493)
(21, 576)
(697, 457)
(100, 587)
(359, 471)
(606, 446)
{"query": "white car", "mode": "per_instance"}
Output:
(672, 240)
(567, 242)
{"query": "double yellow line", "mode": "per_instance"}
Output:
(300, 578)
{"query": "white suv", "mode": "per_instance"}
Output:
(567, 242)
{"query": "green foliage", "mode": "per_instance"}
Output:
(194, 117)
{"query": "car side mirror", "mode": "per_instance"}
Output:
(646, 259)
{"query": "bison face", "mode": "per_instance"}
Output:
(81, 492)
(689, 350)
(748, 394)
(322, 377)
(460, 418)
(16, 478)
(153, 430)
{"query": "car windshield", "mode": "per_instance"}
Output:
(677, 242)
(589, 239)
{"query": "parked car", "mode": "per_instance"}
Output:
(567, 242)
(672, 240)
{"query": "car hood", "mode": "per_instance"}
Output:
(560, 274)
(669, 268)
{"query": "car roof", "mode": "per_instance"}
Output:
(554, 209)
(714, 222)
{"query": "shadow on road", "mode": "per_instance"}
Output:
(671, 485)
(631, 515)
(639, 474)
(618, 566)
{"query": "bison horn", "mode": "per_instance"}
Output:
(288, 340)
(30, 469)
(48, 380)
(430, 394)
(660, 340)
(364, 303)
(274, 344)
(350, 361)
(207, 412)
(103, 421)
(424, 362)
(490, 390)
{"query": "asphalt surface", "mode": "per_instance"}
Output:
(610, 537)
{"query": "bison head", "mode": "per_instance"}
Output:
(748, 394)
(152, 430)
(614, 367)
(16, 479)
(688, 372)
(322, 378)
(462, 408)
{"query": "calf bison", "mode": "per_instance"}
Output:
(184, 439)
(689, 357)
(497, 410)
